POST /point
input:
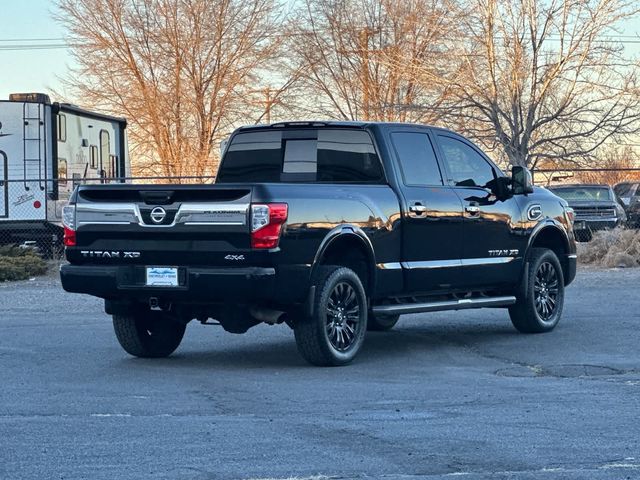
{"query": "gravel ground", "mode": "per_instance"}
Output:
(442, 395)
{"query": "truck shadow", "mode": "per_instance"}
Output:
(428, 343)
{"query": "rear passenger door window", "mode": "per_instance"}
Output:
(417, 158)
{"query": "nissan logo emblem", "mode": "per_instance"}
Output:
(158, 214)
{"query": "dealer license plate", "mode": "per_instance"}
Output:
(162, 277)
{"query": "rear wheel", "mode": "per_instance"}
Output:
(334, 333)
(381, 323)
(148, 334)
(541, 299)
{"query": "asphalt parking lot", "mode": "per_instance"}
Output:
(443, 395)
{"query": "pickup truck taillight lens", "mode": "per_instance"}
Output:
(69, 224)
(266, 223)
(571, 214)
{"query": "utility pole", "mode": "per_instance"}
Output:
(270, 99)
(268, 103)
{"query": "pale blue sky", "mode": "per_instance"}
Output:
(29, 70)
(37, 70)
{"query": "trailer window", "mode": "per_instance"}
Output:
(62, 127)
(62, 171)
(93, 157)
(113, 166)
(104, 149)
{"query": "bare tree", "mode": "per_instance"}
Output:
(359, 59)
(543, 79)
(179, 70)
(614, 165)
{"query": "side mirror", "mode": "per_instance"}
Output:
(521, 180)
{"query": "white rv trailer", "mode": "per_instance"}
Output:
(46, 149)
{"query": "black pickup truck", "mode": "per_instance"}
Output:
(330, 227)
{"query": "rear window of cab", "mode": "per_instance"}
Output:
(325, 155)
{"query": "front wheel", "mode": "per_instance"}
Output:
(148, 334)
(334, 333)
(541, 298)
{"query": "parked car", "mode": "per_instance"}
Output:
(629, 193)
(626, 191)
(332, 228)
(596, 207)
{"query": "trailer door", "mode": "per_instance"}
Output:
(4, 187)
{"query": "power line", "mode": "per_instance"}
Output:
(23, 48)
(632, 39)
(26, 44)
(59, 39)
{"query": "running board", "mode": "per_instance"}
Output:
(461, 304)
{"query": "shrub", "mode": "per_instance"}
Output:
(20, 263)
(612, 248)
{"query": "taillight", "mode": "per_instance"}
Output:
(571, 214)
(266, 224)
(69, 224)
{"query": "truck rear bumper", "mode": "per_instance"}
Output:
(197, 285)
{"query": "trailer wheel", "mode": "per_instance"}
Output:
(148, 334)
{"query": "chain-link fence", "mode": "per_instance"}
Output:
(604, 176)
(31, 210)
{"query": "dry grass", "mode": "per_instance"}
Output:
(612, 249)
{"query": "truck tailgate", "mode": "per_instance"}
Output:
(161, 224)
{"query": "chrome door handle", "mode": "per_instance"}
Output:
(472, 209)
(417, 208)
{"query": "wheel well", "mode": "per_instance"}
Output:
(350, 251)
(553, 239)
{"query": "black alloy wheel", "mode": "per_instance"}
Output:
(540, 295)
(343, 316)
(334, 332)
(546, 288)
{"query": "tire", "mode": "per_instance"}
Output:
(381, 323)
(148, 334)
(540, 301)
(334, 333)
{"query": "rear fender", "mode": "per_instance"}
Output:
(352, 232)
